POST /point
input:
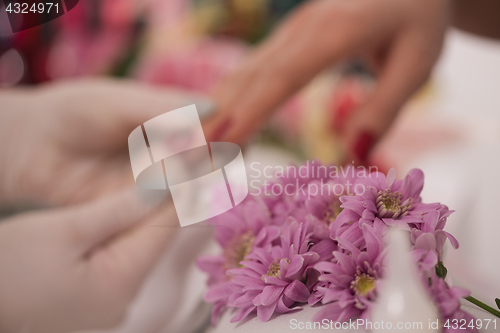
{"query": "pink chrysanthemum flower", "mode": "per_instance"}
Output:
(318, 197)
(447, 298)
(350, 280)
(322, 199)
(430, 236)
(294, 181)
(384, 197)
(395, 202)
(275, 279)
(317, 246)
(237, 233)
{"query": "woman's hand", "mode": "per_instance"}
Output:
(67, 142)
(401, 39)
(79, 267)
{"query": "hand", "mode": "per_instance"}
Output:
(67, 142)
(400, 39)
(78, 268)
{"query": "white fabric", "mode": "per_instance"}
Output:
(290, 323)
(465, 174)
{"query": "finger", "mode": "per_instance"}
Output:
(142, 103)
(99, 114)
(134, 252)
(124, 236)
(145, 102)
(230, 89)
(292, 62)
(406, 69)
(135, 100)
(92, 224)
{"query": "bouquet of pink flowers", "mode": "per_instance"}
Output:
(319, 239)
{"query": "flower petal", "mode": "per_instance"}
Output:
(265, 312)
(270, 294)
(329, 312)
(295, 266)
(453, 240)
(346, 262)
(282, 308)
(273, 280)
(241, 314)
(391, 177)
(257, 267)
(245, 281)
(426, 241)
(244, 301)
(297, 292)
(217, 292)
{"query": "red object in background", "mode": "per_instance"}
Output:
(349, 95)
(363, 145)
(70, 4)
(88, 40)
(33, 45)
(28, 14)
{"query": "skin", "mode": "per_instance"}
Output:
(77, 263)
(401, 40)
(78, 267)
(73, 135)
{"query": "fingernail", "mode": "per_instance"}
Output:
(222, 129)
(364, 144)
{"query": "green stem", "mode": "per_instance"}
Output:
(483, 306)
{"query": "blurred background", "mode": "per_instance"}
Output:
(450, 129)
(186, 44)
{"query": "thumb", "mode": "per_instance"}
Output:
(405, 71)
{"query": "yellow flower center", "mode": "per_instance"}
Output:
(389, 204)
(393, 204)
(238, 248)
(363, 284)
(274, 268)
(333, 211)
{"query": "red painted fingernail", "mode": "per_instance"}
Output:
(345, 105)
(222, 129)
(364, 144)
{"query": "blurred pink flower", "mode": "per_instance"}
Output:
(447, 298)
(275, 279)
(196, 66)
(237, 232)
